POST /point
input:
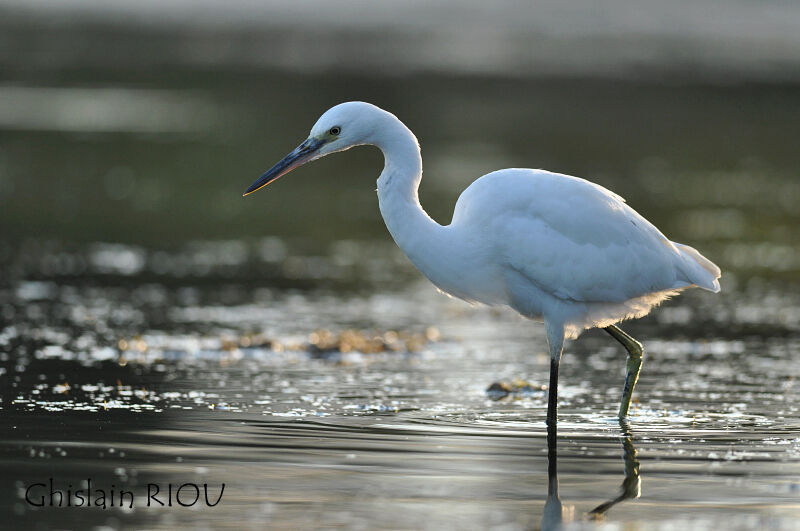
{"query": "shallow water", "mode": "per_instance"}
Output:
(367, 408)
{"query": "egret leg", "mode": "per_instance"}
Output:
(552, 399)
(555, 340)
(553, 510)
(633, 367)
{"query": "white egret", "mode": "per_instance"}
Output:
(554, 248)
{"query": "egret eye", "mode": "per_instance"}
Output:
(335, 130)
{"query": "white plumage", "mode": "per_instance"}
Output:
(552, 247)
(575, 251)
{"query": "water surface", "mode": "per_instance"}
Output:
(367, 407)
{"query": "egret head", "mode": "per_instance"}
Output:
(341, 127)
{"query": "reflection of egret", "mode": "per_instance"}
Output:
(552, 247)
(632, 484)
(555, 513)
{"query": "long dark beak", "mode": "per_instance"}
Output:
(299, 156)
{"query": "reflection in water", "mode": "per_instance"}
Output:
(631, 487)
(555, 513)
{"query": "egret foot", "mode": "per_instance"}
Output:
(633, 366)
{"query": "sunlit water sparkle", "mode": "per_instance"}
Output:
(173, 378)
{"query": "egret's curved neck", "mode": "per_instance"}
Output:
(419, 236)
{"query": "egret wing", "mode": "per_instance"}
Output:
(573, 239)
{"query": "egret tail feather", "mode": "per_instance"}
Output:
(698, 269)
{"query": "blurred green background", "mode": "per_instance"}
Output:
(143, 123)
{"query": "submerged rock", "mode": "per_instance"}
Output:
(516, 389)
